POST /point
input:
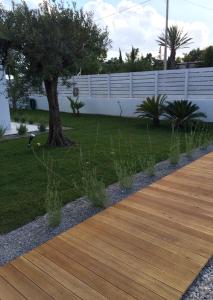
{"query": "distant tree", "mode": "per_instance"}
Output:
(132, 57)
(176, 40)
(208, 57)
(53, 41)
(120, 57)
(193, 55)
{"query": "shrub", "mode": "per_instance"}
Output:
(124, 172)
(150, 165)
(22, 129)
(152, 108)
(2, 131)
(183, 113)
(53, 202)
(174, 152)
(76, 106)
(204, 139)
(93, 187)
(23, 119)
(42, 127)
(16, 118)
(189, 143)
(31, 121)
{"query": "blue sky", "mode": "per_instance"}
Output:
(139, 24)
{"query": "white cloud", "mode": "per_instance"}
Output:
(139, 26)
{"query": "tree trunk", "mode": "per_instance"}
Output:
(172, 62)
(56, 137)
(156, 122)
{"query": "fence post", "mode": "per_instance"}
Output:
(89, 85)
(109, 87)
(186, 84)
(156, 83)
(130, 84)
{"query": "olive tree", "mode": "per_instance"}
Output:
(53, 42)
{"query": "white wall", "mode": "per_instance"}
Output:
(103, 93)
(4, 104)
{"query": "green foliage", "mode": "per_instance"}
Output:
(53, 202)
(174, 152)
(150, 165)
(22, 129)
(124, 171)
(2, 131)
(75, 106)
(42, 127)
(17, 88)
(190, 143)
(183, 113)
(93, 187)
(23, 119)
(143, 63)
(133, 55)
(152, 108)
(208, 57)
(16, 117)
(54, 41)
(194, 55)
(176, 40)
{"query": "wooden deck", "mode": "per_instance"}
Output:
(149, 246)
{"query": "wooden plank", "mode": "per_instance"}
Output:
(75, 268)
(66, 279)
(112, 270)
(42, 279)
(22, 284)
(7, 292)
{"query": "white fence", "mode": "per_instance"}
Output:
(111, 93)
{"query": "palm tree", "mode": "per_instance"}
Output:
(176, 40)
(133, 55)
(183, 112)
(152, 108)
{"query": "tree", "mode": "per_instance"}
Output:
(120, 57)
(208, 57)
(176, 40)
(54, 42)
(194, 55)
(133, 55)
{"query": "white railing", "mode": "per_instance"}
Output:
(101, 93)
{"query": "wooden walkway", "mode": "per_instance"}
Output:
(149, 246)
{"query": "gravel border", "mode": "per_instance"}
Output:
(37, 232)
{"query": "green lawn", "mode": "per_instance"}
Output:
(100, 138)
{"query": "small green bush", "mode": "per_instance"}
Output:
(190, 143)
(93, 187)
(42, 127)
(31, 122)
(53, 202)
(22, 129)
(16, 118)
(150, 165)
(174, 152)
(2, 131)
(124, 172)
(23, 119)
